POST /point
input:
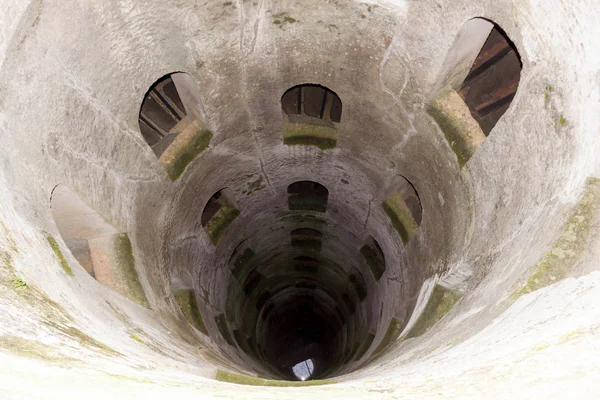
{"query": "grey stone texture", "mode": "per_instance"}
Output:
(72, 79)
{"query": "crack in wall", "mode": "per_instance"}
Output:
(262, 166)
(368, 214)
(99, 163)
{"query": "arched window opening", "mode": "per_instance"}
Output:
(480, 79)
(374, 257)
(104, 252)
(306, 239)
(357, 283)
(311, 114)
(252, 281)
(403, 207)
(313, 101)
(241, 261)
(171, 121)
(308, 196)
(493, 80)
(218, 214)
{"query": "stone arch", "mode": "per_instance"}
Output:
(374, 257)
(308, 196)
(220, 211)
(404, 208)
(311, 116)
(104, 252)
(171, 121)
(480, 78)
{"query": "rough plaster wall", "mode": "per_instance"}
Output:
(72, 80)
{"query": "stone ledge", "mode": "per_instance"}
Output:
(186, 299)
(192, 140)
(323, 137)
(401, 216)
(463, 133)
(114, 266)
(439, 304)
(230, 377)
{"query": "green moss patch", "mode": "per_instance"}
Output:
(220, 221)
(51, 314)
(186, 146)
(84, 339)
(136, 337)
(401, 217)
(31, 349)
(127, 271)
(230, 377)
(463, 133)
(440, 302)
(391, 334)
(323, 137)
(122, 316)
(282, 18)
(59, 255)
(567, 250)
(186, 299)
(18, 283)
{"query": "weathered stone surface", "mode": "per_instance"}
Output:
(114, 266)
(73, 79)
(189, 307)
(190, 142)
(460, 129)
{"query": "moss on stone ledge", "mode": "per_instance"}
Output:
(374, 258)
(127, 271)
(31, 349)
(186, 299)
(400, 215)
(220, 221)
(440, 302)
(463, 133)
(242, 263)
(84, 339)
(186, 146)
(230, 377)
(59, 255)
(323, 137)
(568, 248)
(391, 334)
